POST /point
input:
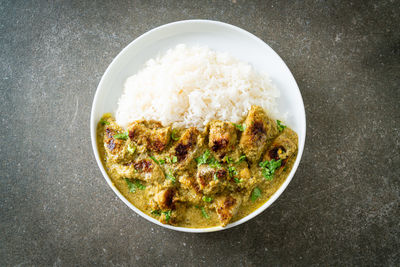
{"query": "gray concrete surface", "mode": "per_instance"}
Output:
(342, 207)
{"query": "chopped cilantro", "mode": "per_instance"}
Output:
(242, 158)
(156, 212)
(255, 194)
(269, 167)
(228, 160)
(204, 213)
(203, 158)
(206, 158)
(173, 135)
(215, 176)
(170, 176)
(131, 149)
(131, 186)
(159, 212)
(174, 159)
(134, 185)
(214, 163)
(161, 161)
(232, 171)
(104, 122)
(237, 180)
(155, 160)
(240, 127)
(207, 199)
(123, 136)
(280, 126)
(139, 185)
(167, 215)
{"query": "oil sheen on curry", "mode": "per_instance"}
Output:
(198, 179)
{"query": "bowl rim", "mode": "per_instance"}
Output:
(93, 131)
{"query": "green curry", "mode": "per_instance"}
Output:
(189, 178)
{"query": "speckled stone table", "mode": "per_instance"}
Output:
(341, 208)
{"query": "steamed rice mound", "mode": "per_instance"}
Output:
(189, 86)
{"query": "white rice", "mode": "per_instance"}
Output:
(189, 86)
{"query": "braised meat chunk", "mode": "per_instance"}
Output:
(150, 134)
(222, 138)
(148, 171)
(164, 199)
(259, 131)
(186, 145)
(159, 139)
(116, 146)
(283, 148)
(210, 180)
(226, 207)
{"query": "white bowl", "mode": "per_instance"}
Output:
(217, 36)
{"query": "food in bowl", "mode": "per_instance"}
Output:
(191, 178)
(186, 159)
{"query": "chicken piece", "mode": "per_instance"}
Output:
(189, 191)
(226, 207)
(116, 148)
(124, 170)
(282, 148)
(151, 134)
(259, 131)
(149, 171)
(222, 138)
(165, 199)
(111, 144)
(138, 132)
(211, 180)
(186, 146)
(159, 139)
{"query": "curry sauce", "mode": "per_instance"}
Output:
(198, 179)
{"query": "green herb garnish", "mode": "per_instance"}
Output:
(172, 159)
(171, 177)
(206, 158)
(281, 127)
(131, 149)
(207, 199)
(237, 180)
(156, 212)
(139, 185)
(123, 136)
(242, 158)
(232, 171)
(167, 215)
(255, 194)
(134, 185)
(215, 176)
(214, 163)
(155, 160)
(204, 213)
(228, 160)
(269, 167)
(161, 161)
(240, 127)
(203, 158)
(173, 135)
(104, 122)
